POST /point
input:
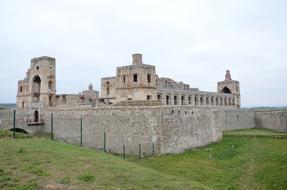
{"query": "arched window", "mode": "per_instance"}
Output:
(167, 100)
(175, 100)
(107, 87)
(36, 87)
(21, 89)
(50, 85)
(226, 90)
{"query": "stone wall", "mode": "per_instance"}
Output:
(171, 129)
(275, 120)
(7, 122)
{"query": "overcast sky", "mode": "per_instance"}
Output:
(193, 41)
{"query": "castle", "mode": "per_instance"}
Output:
(135, 108)
(134, 85)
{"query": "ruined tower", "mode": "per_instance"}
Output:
(38, 89)
(136, 81)
(229, 86)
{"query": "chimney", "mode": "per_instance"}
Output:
(137, 59)
(227, 75)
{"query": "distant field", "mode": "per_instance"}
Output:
(237, 162)
(2, 108)
(7, 105)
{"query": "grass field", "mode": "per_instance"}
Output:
(237, 162)
(38, 163)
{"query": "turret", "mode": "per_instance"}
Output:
(137, 59)
(229, 86)
(38, 89)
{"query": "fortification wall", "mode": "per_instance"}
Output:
(7, 121)
(190, 127)
(276, 120)
(171, 129)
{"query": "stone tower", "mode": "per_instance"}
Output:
(38, 89)
(229, 86)
(136, 81)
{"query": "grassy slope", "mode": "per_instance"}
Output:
(234, 163)
(34, 163)
(237, 162)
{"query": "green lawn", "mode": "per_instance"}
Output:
(38, 163)
(237, 162)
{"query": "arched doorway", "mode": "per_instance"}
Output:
(226, 90)
(36, 116)
(19, 130)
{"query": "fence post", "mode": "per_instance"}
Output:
(140, 151)
(153, 149)
(81, 132)
(104, 141)
(14, 123)
(124, 152)
(52, 126)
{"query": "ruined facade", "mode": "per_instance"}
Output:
(38, 91)
(135, 84)
(139, 82)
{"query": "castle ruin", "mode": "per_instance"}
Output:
(134, 85)
(135, 107)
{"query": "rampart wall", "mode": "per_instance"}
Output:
(171, 129)
(276, 120)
